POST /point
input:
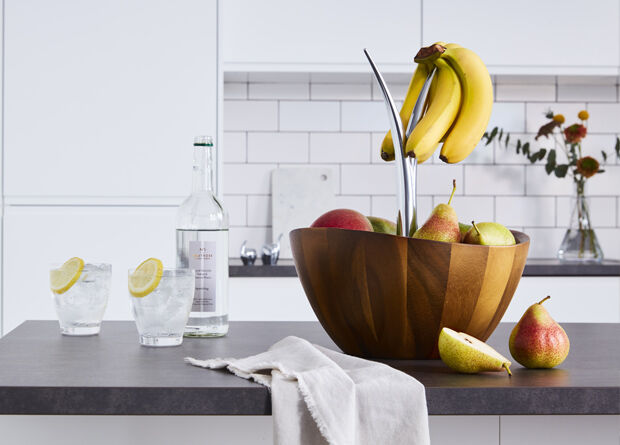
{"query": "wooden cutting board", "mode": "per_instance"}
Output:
(299, 196)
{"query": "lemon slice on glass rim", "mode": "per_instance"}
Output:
(65, 276)
(145, 278)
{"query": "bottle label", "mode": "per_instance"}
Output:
(202, 260)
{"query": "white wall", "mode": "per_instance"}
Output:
(338, 121)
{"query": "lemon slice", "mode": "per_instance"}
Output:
(65, 276)
(146, 277)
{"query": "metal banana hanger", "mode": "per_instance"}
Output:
(407, 168)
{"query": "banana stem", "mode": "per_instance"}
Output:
(453, 190)
(544, 299)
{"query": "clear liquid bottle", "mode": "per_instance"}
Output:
(202, 245)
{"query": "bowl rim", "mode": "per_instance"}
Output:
(521, 238)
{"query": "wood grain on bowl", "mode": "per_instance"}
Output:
(385, 296)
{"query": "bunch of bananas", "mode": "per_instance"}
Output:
(457, 109)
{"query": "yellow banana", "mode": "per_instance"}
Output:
(444, 103)
(476, 104)
(415, 85)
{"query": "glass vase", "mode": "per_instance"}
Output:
(580, 243)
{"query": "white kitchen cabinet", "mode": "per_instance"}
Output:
(37, 237)
(102, 99)
(285, 35)
(572, 299)
(531, 36)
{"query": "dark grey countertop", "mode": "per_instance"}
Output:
(533, 268)
(42, 372)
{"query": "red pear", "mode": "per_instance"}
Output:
(538, 341)
(343, 219)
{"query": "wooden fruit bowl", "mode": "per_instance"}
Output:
(386, 296)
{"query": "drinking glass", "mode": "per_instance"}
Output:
(162, 314)
(80, 308)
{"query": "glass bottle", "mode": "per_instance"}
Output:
(202, 245)
(580, 243)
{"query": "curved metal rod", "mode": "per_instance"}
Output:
(406, 170)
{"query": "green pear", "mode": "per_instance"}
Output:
(489, 234)
(382, 225)
(442, 225)
(463, 228)
(538, 341)
(468, 355)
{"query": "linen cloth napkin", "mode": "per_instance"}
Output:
(320, 396)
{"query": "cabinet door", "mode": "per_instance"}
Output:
(103, 98)
(37, 237)
(302, 35)
(531, 36)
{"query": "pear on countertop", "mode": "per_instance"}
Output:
(442, 225)
(468, 355)
(538, 341)
(489, 234)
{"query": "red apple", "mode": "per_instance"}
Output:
(343, 219)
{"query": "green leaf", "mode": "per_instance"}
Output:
(604, 155)
(492, 135)
(526, 149)
(501, 134)
(518, 146)
(507, 139)
(550, 162)
(561, 170)
(618, 147)
(600, 171)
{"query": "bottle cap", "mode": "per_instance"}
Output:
(203, 141)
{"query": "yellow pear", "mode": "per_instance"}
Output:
(468, 355)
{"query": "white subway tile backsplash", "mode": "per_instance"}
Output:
(236, 206)
(604, 118)
(368, 179)
(535, 113)
(587, 93)
(340, 91)
(508, 115)
(608, 240)
(525, 92)
(525, 211)
(340, 147)
(602, 211)
(309, 116)
(247, 115)
(277, 147)
(248, 179)
(544, 242)
(234, 148)
(359, 203)
(470, 208)
(279, 91)
(235, 90)
(397, 90)
(437, 179)
(256, 237)
(494, 180)
(364, 116)
(339, 122)
(538, 182)
(259, 210)
(605, 184)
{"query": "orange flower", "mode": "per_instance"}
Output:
(559, 118)
(575, 133)
(587, 166)
(583, 115)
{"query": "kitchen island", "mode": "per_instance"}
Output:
(44, 373)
